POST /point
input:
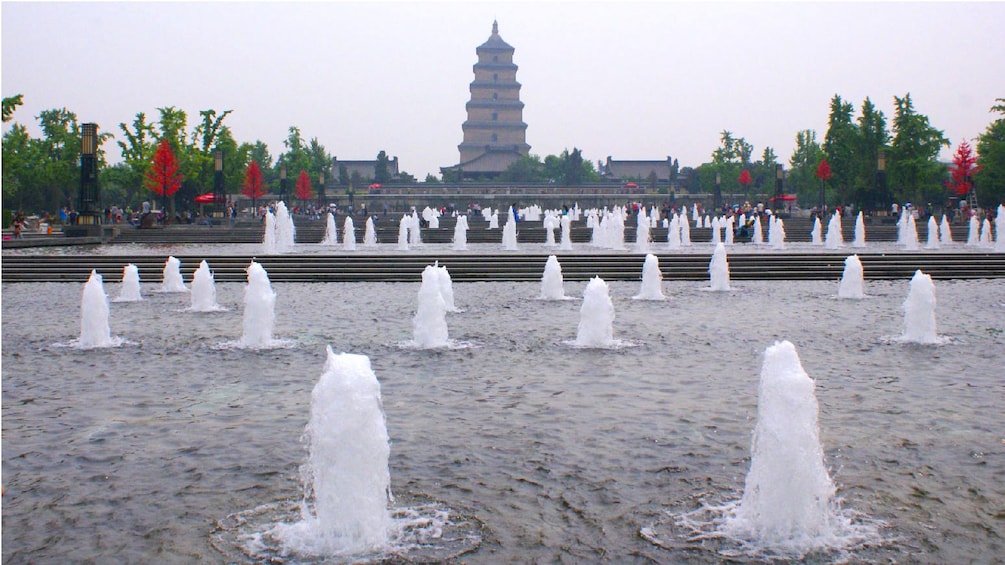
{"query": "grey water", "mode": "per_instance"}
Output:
(135, 453)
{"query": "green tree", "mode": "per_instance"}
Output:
(990, 179)
(381, 174)
(840, 145)
(915, 172)
(872, 137)
(524, 170)
(803, 165)
(137, 149)
(10, 104)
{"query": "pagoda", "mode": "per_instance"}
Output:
(494, 133)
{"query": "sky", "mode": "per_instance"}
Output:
(632, 81)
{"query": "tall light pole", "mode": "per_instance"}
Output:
(282, 183)
(881, 177)
(219, 195)
(89, 195)
(718, 191)
(779, 180)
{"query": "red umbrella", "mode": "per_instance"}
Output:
(209, 198)
(785, 198)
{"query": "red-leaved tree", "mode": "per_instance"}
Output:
(254, 184)
(824, 174)
(745, 179)
(163, 178)
(963, 170)
(303, 188)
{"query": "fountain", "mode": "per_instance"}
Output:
(757, 237)
(729, 230)
(429, 326)
(817, 234)
(933, 234)
(1000, 229)
(414, 230)
(204, 290)
(776, 233)
(348, 235)
(852, 279)
(685, 233)
(370, 233)
(834, 239)
(859, 231)
(788, 507)
(945, 233)
(331, 232)
(494, 221)
(718, 270)
(549, 225)
(652, 280)
(973, 236)
(403, 233)
(985, 237)
(642, 233)
(552, 284)
(130, 289)
(269, 238)
(716, 234)
(259, 308)
(673, 233)
(919, 311)
(285, 230)
(509, 232)
(94, 328)
(461, 233)
(347, 482)
(566, 244)
(172, 276)
(446, 287)
(910, 233)
(596, 321)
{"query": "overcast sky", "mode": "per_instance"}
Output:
(633, 81)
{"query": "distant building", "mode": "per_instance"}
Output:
(494, 133)
(367, 170)
(638, 170)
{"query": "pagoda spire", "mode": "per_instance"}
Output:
(495, 27)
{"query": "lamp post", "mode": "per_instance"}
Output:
(282, 183)
(350, 192)
(779, 180)
(219, 196)
(321, 189)
(89, 195)
(718, 191)
(881, 178)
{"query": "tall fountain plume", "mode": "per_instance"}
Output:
(729, 231)
(172, 276)
(94, 314)
(269, 246)
(1000, 229)
(130, 289)
(596, 321)
(347, 481)
(933, 234)
(369, 233)
(685, 232)
(718, 269)
(446, 287)
(919, 310)
(652, 280)
(673, 233)
(816, 235)
(910, 233)
(642, 232)
(788, 497)
(286, 232)
(852, 279)
(859, 231)
(566, 242)
(757, 237)
(945, 233)
(461, 233)
(716, 234)
(429, 326)
(204, 290)
(776, 233)
(986, 233)
(509, 232)
(259, 308)
(331, 231)
(973, 237)
(415, 230)
(549, 224)
(403, 226)
(834, 239)
(552, 283)
(348, 235)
